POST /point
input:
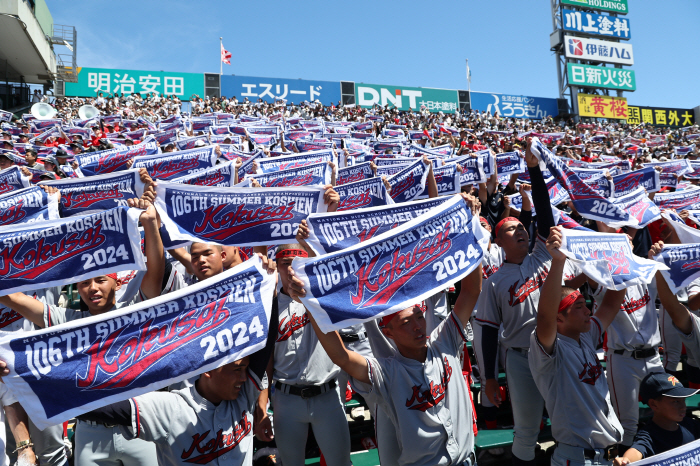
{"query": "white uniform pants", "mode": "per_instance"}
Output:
(326, 415)
(527, 402)
(624, 376)
(97, 445)
(387, 442)
(48, 444)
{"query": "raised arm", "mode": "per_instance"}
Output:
(30, 308)
(610, 307)
(430, 183)
(550, 295)
(468, 295)
(540, 195)
(351, 362)
(155, 253)
(680, 315)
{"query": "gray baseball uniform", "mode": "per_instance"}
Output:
(189, 429)
(301, 362)
(572, 382)
(48, 443)
(508, 302)
(669, 337)
(491, 262)
(631, 342)
(692, 340)
(95, 443)
(431, 398)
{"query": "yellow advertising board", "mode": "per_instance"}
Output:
(601, 106)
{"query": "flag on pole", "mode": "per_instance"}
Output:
(469, 73)
(225, 55)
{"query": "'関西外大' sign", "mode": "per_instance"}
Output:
(293, 91)
(601, 106)
(92, 81)
(601, 77)
(403, 98)
(582, 48)
(595, 24)
(616, 6)
(517, 106)
(660, 116)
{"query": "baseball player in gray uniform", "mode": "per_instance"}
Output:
(567, 371)
(684, 320)
(210, 422)
(631, 347)
(672, 344)
(305, 380)
(48, 443)
(507, 311)
(417, 388)
(492, 261)
(99, 443)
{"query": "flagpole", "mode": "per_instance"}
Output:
(469, 81)
(221, 59)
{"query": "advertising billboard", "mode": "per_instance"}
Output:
(596, 25)
(91, 81)
(616, 6)
(271, 89)
(601, 106)
(601, 77)
(517, 106)
(403, 98)
(582, 48)
(661, 116)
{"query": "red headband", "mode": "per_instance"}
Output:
(569, 300)
(386, 319)
(507, 219)
(112, 275)
(291, 253)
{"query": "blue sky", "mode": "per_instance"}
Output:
(404, 43)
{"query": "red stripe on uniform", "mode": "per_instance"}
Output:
(487, 322)
(254, 382)
(138, 418)
(464, 337)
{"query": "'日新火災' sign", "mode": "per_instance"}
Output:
(601, 106)
(583, 48)
(601, 77)
(615, 6)
(92, 81)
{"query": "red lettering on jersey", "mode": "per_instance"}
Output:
(7, 318)
(632, 305)
(291, 325)
(421, 401)
(217, 446)
(519, 294)
(488, 270)
(590, 373)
